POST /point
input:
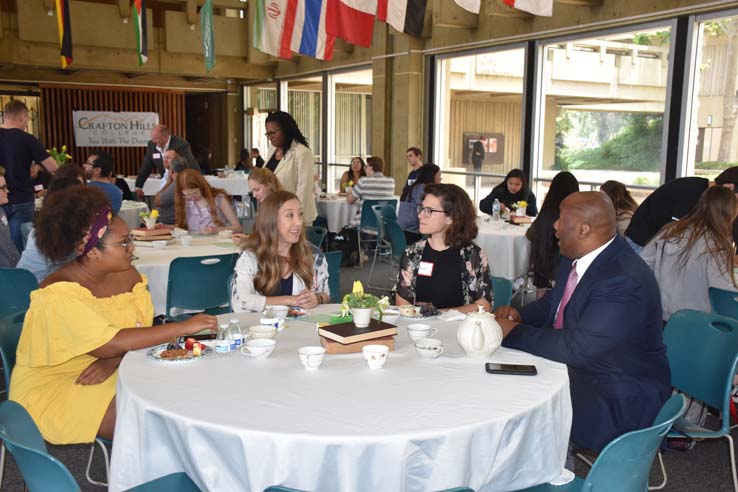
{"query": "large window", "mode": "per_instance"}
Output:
(713, 108)
(304, 100)
(32, 103)
(258, 101)
(479, 95)
(602, 107)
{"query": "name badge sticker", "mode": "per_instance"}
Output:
(156, 156)
(38, 187)
(425, 269)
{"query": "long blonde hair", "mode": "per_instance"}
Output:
(189, 178)
(263, 242)
(712, 219)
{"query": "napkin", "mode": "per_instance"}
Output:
(452, 315)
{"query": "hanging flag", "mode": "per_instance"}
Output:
(352, 20)
(65, 32)
(309, 37)
(535, 7)
(472, 6)
(142, 29)
(208, 37)
(274, 24)
(404, 15)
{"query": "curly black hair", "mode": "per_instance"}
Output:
(65, 218)
(289, 128)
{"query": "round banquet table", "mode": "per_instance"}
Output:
(506, 246)
(129, 212)
(235, 186)
(154, 263)
(337, 211)
(237, 423)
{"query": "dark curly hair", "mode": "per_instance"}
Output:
(77, 207)
(289, 128)
(460, 208)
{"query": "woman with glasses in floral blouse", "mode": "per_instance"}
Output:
(447, 269)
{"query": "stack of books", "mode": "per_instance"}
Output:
(515, 219)
(159, 233)
(346, 338)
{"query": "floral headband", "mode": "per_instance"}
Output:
(98, 229)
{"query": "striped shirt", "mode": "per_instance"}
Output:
(374, 187)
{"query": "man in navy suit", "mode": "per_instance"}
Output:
(161, 141)
(603, 320)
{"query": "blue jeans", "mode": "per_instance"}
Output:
(18, 213)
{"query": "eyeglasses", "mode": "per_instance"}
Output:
(272, 133)
(4, 188)
(188, 194)
(428, 211)
(125, 244)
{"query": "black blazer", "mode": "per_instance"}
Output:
(611, 342)
(155, 160)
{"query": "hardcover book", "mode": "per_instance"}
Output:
(346, 333)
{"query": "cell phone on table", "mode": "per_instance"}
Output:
(512, 369)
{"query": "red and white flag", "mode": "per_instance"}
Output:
(472, 6)
(351, 20)
(404, 15)
(535, 7)
(274, 24)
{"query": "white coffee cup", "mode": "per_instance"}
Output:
(159, 244)
(375, 355)
(280, 311)
(186, 240)
(429, 348)
(420, 330)
(262, 331)
(178, 232)
(311, 357)
(225, 234)
(391, 316)
(259, 348)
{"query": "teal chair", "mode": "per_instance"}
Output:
(200, 283)
(724, 302)
(279, 488)
(42, 472)
(397, 243)
(316, 235)
(382, 213)
(334, 259)
(16, 285)
(10, 330)
(702, 349)
(368, 224)
(502, 289)
(625, 463)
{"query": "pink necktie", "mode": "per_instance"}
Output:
(571, 284)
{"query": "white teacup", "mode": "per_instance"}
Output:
(375, 355)
(420, 330)
(262, 331)
(178, 232)
(429, 348)
(159, 244)
(186, 240)
(225, 234)
(311, 357)
(280, 311)
(391, 316)
(259, 348)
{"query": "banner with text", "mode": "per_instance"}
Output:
(112, 129)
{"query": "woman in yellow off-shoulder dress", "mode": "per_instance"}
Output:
(83, 320)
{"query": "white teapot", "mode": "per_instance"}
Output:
(479, 334)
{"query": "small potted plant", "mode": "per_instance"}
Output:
(149, 218)
(520, 208)
(348, 186)
(362, 305)
(60, 156)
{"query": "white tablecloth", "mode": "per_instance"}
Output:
(234, 423)
(506, 246)
(129, 212)
(235, 186)
(154, 263)
(337, 211)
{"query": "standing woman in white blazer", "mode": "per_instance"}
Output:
(291, 161)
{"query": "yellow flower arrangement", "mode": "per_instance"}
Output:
(358, 299)
(520, 204)
(153, 214)
(60, 156)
